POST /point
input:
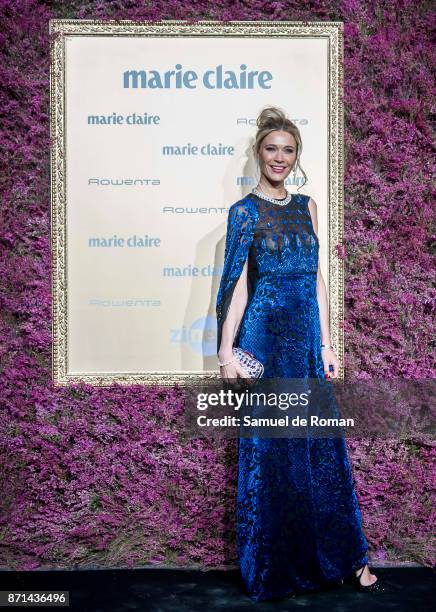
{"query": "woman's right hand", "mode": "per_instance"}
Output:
(234, 372)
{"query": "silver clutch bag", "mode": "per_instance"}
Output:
(248, 362)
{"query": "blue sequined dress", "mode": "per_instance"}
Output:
(299, 525)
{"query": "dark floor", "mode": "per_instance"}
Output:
(163, 590)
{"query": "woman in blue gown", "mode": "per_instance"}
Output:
(299, 525)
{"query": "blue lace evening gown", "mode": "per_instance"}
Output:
(298, 520)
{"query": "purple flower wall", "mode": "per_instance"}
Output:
(105, 477)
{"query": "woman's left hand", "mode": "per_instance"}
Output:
(329, 358)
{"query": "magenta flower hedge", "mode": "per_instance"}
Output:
(106, 477)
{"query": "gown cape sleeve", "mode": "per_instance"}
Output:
(241, 222)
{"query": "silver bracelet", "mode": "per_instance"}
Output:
(323, 346)
(227, 362)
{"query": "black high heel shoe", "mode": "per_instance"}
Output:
(375, 587)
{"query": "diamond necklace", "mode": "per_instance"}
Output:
(272, 200)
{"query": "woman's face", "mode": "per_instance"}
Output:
(277, 155)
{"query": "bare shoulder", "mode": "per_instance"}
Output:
(313, 209)
(311, 203)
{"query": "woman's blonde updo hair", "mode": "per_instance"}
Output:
(270, 119)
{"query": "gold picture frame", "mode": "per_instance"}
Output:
(59, 31)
